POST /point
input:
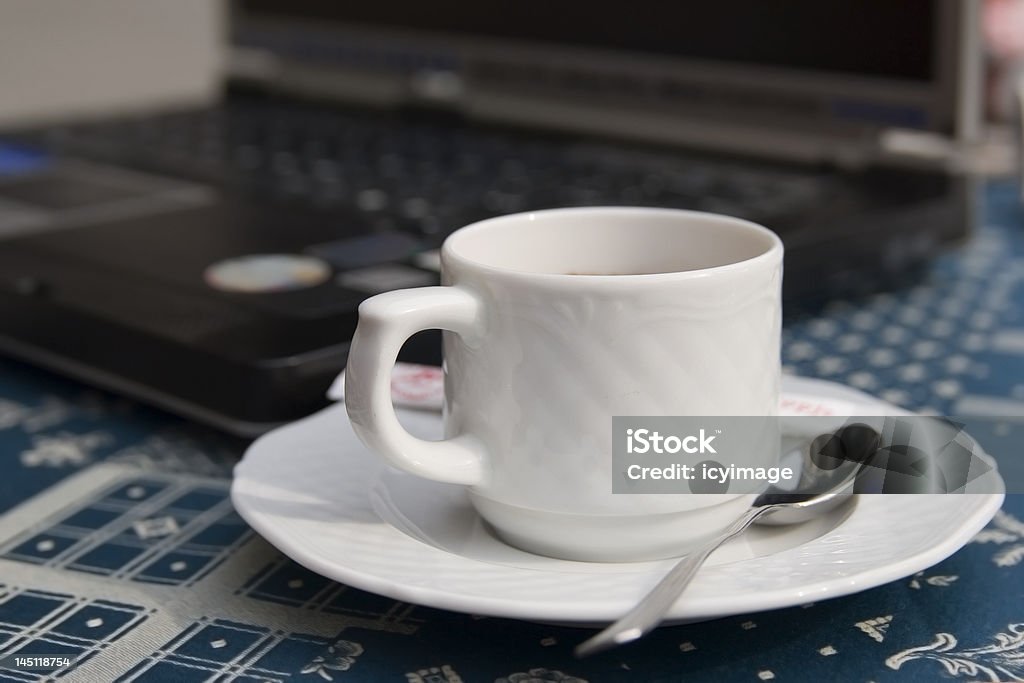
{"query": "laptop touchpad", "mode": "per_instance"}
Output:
(73, 194)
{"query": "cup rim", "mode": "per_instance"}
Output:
(449, 253)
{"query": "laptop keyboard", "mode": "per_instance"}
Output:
(428, 177)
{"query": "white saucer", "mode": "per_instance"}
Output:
(312, 490)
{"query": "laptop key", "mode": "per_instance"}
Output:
(372, 199)
(367, 250)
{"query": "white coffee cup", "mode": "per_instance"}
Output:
(555, 321)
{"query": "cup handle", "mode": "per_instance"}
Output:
(385, 322)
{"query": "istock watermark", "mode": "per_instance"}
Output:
(648, 441)
(747, 454)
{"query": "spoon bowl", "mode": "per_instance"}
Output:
(827, 480)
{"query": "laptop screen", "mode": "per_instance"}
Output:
(870, 37)
(841, 70)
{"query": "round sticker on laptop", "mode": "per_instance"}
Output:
(266, 273)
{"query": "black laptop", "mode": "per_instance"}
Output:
(211, 260)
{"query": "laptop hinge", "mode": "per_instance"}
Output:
(432, 90)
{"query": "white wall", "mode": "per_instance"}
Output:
(62, 58)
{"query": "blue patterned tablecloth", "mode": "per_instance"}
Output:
(119, 546)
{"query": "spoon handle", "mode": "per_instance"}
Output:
(649, 612)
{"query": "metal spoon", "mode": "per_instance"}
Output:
(827, 487)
